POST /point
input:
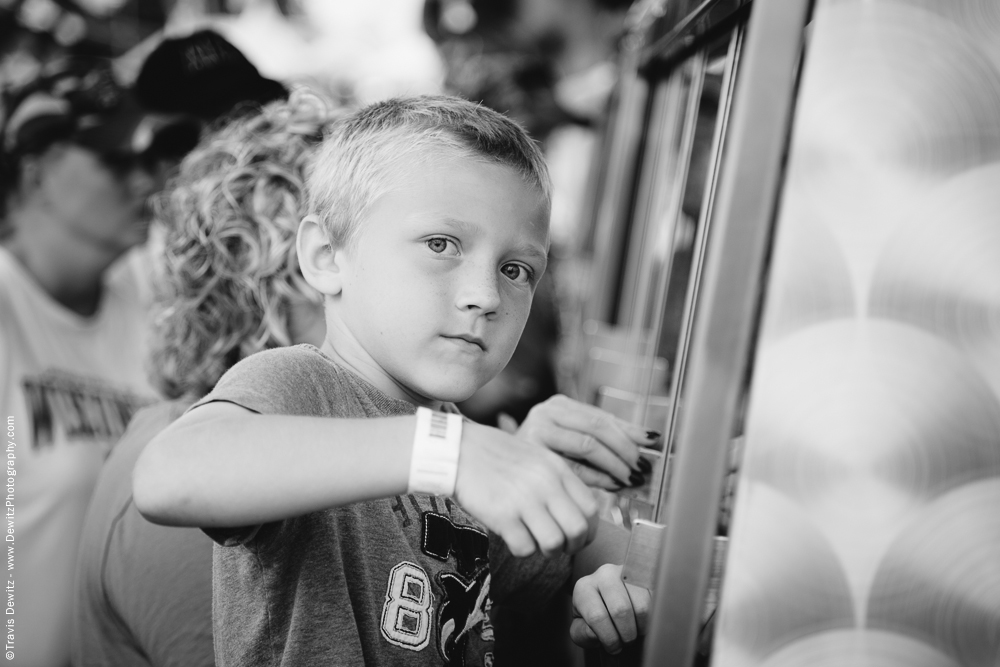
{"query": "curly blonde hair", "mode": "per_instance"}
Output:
(227, 224)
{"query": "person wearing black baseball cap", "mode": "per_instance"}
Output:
(79, 158)
(203, 75)
(74, 121)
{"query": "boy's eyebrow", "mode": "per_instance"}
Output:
(533, 251)
(464, 225)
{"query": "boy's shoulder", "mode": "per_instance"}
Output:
(301, 380)
(290, 380)
(284, 359)
(283, 366)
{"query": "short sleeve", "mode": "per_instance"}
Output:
(273, 382)
(285, 381)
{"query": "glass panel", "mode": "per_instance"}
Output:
(621, 366)
(666, 250)
(614, 208)
(677, 249)
(679, 245)
(658, 190)
(589, 284)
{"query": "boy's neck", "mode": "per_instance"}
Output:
(366, 368)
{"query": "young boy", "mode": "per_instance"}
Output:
(362, 539)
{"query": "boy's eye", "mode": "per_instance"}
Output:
(440, 245)
(517, 273)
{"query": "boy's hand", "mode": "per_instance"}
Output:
(525, 494)
(608, 612)
(600, 448)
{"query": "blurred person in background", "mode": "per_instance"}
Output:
(202, 74)
(79, 159)
(228, 285)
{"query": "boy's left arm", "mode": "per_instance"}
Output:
(607, 612)
(604, 452)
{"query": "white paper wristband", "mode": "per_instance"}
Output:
(436, 443)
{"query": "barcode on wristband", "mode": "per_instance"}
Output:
(434, 461)
(439, 425)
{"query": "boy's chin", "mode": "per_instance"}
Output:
(451, 389)
(450, 395)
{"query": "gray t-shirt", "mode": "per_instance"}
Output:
(399, 581)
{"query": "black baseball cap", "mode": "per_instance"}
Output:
(79, 100)
(203, 75)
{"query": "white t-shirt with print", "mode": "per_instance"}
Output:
(68, 386)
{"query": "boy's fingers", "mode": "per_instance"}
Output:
(585, 501)
(619, 606)
(518, 539)
(640, 606)
(580, 494)
(582, 635)
(547, 533)
(574, 524)
(589, 605)
(506, 423)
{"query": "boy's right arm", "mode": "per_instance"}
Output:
(221, 465)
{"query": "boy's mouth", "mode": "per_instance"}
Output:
(473, 340)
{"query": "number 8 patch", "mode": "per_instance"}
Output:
(406, 615)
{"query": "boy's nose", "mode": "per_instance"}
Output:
(479, 291)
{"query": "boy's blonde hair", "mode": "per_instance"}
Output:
(227, 225)
(354, 166)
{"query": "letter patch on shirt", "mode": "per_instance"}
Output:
(463, 604)
(406, 614)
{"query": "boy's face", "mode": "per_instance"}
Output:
(437, 288)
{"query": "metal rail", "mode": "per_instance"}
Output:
(724, 326)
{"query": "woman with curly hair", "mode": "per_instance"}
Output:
(229, 285)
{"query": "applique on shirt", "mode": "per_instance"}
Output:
(84, 408)
(466, 601)
(461, 609)
(465, 608)
(442, 538)
(406, 614)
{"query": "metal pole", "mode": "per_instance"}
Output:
(744, 213)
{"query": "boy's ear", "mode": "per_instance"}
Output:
(318, 257)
